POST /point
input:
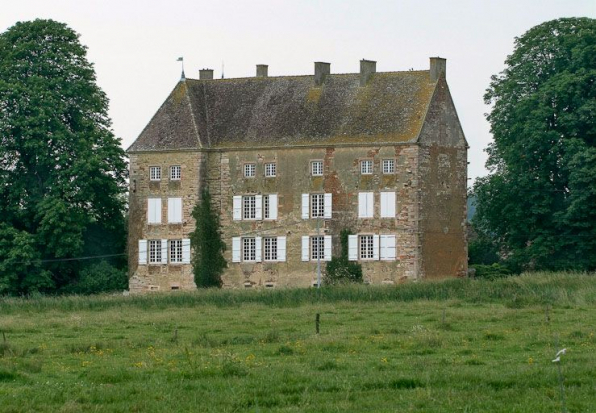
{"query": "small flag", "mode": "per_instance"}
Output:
(180, 59)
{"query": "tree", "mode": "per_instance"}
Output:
(539, 201)
(62, 171)
(208, 260)
(340, 270)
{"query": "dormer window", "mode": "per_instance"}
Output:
(250, 170)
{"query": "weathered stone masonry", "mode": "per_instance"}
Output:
(213, 128)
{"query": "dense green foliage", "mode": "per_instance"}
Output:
(98, 278)
(340, 270)
(62, 171)
(208, 261)
(538, 203)
(249, 352)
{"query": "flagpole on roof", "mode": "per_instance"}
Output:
(181, 59)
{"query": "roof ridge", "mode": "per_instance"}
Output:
(302, 76)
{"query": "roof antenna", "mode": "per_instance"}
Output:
(182, 77)
(222, 69)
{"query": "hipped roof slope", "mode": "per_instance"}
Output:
(289, 110)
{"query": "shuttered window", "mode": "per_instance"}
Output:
(365, 205)
(174, 210)
(154, 210)
(387, 204)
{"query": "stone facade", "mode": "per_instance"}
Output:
(427, 148)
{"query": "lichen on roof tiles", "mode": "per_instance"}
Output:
(289, 110)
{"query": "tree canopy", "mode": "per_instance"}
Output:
(539, 202)
(62, 171)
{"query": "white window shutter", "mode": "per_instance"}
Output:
(305, 248)
(154, 210)
(328, 209)
(387, 204)
(365, 204)
(164, 251)
(305, 206)
(236, 249)
(237, 208)
(281, 249)
(273, 206)
(353, 247)
(142, 251)
(370, 204)
(375, 247)
(258, 206)
(258, 248)
(185, 251)
(174, 210)
(327, 248)
(388, 248)
(361, 204)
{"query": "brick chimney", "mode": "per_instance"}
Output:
(322, 69)
(206, 74)
(438, 68)
(262, 70)
(367, 69)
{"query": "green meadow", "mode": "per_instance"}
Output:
(452, 346)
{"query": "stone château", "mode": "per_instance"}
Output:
(290, 161)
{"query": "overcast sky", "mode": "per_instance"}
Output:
(134, 44)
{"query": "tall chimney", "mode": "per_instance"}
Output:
(206, 74)
(438, 68)
(367, 69)
(322, 69)
(262, 70)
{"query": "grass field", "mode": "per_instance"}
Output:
(453, 346)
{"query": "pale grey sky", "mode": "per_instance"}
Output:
(134, 44)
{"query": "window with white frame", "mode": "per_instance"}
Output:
(270, 246)
(388, 166)
(317, 205)
(366, 167)
(317, 248)
(316, 168)
(176, 251)
(155, 173)
(175, 172)
(270, 169)
(249, 249)
(154, 251)
(250, 170)
(249, 207)
(366, 247)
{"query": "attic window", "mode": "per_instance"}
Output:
(366, 167)
(388, 166)
(316, 168)
(270, 169)
(155, 173)
(250, 170)
(175, 172)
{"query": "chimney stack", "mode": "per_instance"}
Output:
(206, 74)
(438, 68)
(367, 69)
(322, 69)
(262, 70)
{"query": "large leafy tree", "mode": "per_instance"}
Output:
(62, 171)
(539, 202)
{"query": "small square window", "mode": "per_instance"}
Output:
(176, 251)
(316, 168)
(366, 167)
(155, 173)
(155, 251)
(366, 247)
(250, 170)
(388, 166)
(175, 172)
(249, 249)
(270, 169)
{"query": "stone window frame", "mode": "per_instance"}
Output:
(175, 251)
(249, 249)
(249, 207)
(246, 169)
(175, 172)
(270, 249)
(154, 251)
(319, 252)
(155, 173)
(369, 247)
(320, 207)
(367, 161)
(270, 169)
(312, 167)
(392, 160)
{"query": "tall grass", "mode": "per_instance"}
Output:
(557, 289)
